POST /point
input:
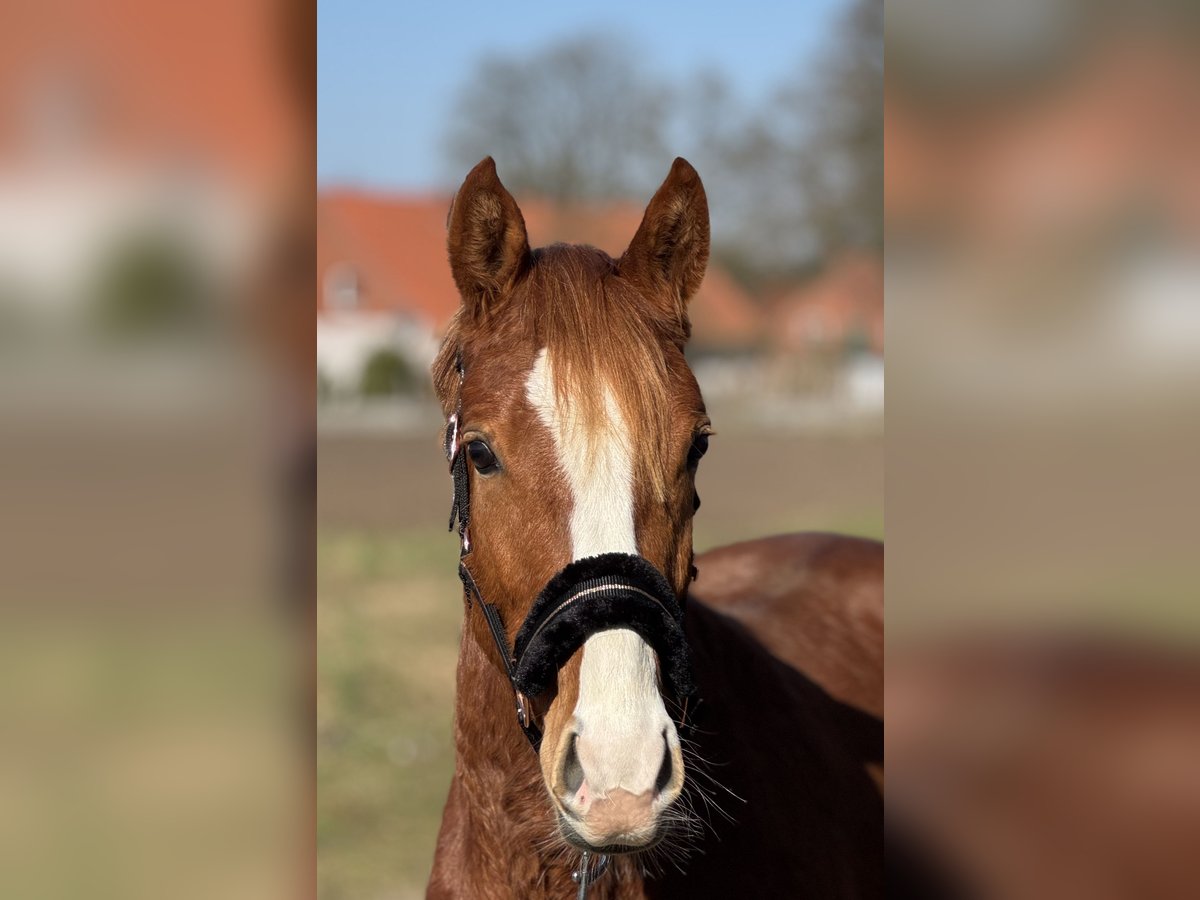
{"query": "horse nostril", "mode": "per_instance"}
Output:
(666, 770)
(572, 767)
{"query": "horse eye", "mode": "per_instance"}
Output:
(482, 457)
(698, 449)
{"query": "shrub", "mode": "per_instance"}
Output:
(387, 373)
(151, 284)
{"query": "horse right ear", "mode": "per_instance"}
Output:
(670, 249)
(487, 242)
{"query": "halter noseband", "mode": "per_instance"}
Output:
(599, 593)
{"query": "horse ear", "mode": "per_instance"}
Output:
(487, 241)
(671, 245)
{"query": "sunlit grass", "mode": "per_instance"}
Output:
(388, 623)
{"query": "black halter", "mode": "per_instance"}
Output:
(613, 590)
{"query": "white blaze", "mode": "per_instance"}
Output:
(599, 471)
(619, 715)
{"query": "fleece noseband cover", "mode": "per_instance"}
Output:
(601, 593)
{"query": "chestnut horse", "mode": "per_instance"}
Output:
(735, 761)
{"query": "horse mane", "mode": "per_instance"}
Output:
(598, 330)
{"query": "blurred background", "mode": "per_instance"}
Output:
(156, 453)
(1042, 215)
(180, 306)
(583, 107)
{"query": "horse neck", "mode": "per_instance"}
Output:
(500, 804)
(486, 733)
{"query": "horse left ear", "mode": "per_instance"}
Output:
(670, 248)
(487, 241)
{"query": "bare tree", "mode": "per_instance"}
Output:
(843, 172)
(578, 120)
(810, 163)
(792, 178)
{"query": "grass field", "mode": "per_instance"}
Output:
(388, 625)
(390, 609)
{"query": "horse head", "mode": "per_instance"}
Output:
(581, 427)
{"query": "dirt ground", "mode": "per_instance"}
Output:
(750, 484)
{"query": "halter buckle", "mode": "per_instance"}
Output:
(452, 438)
(585, 875)
(523, 709)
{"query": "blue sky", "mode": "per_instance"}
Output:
(388, 72)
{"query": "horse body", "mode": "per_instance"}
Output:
(575, 432)
(813, 600)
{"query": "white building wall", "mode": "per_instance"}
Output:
(346, 340)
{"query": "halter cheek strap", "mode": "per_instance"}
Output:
(460, 513)
(460, 508)
(495, 625)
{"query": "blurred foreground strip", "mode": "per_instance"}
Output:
(1047, 768)
(156, 401)
(1043, 317)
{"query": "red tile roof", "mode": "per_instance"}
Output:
(142, 81)
(723, 315)
(397, 246)
(844, 300)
